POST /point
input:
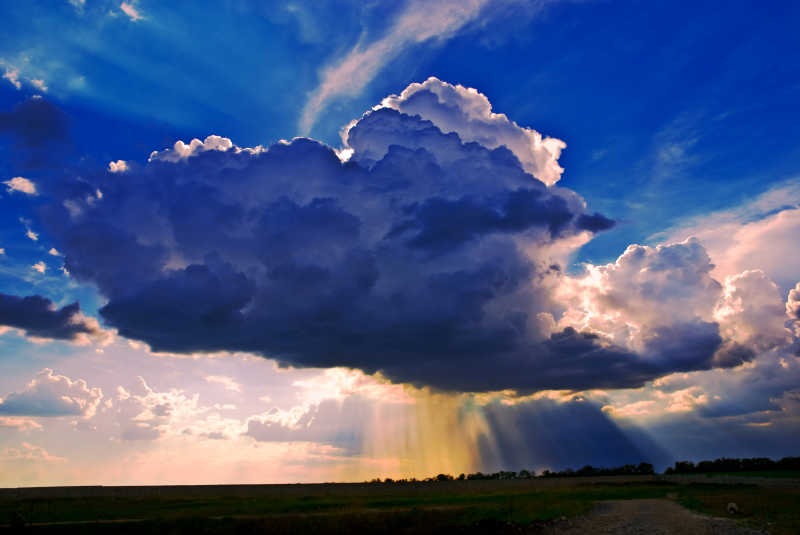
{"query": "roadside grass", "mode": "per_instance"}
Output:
(776, 510)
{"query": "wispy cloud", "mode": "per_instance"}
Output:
(21, 70)
(227, 382)
(12, 75)
(129, 9)
(20, 184)
(419, 22)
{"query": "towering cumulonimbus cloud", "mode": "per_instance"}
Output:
(431, 255)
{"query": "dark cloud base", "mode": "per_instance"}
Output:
(39, 317)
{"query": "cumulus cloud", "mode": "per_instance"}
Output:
(20, 184)
(39, 266)
(422, 256)
(40, 318)
(646, 287)
(146, 414)
(751, 311)
(50, 395)
(120, 166)
(793, 311)
(664, 304)
(437, 253)
(793, 303)
(455, 108)
(181, 151)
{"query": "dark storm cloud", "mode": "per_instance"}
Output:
(420, 263)
(38, 317)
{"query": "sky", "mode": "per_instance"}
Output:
(262, 242)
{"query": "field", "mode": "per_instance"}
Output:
(412, 508)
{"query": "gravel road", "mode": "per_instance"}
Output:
(645, 517)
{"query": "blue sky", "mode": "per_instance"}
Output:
(678, 120)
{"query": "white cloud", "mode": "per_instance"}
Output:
(227, 382)
(646, 287)
(755, 235)
(751, 311)
(21, 184)
(131, 11)
(793, 310)
(2, 250)
(120, 166)
(15, 76)
(420, 21)
(181, 151)
(39, 83)
(793, 303)
(53, 252)
(147, 414)
(51, 395)
(29, 452)
(455, 108)
(12, 75)
(39, 266)
(340, 383)
(20, 424)
(31, 235)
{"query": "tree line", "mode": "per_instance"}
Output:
(725, 464)
(588, 470)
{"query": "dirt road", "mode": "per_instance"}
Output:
(645, 517)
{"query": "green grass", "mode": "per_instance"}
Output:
(780, 474)
(516, 504)
(776, 510)
(410, 509)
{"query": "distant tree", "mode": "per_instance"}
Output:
(645, 469)
(587, 470)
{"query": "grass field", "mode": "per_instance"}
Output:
(379, 508)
